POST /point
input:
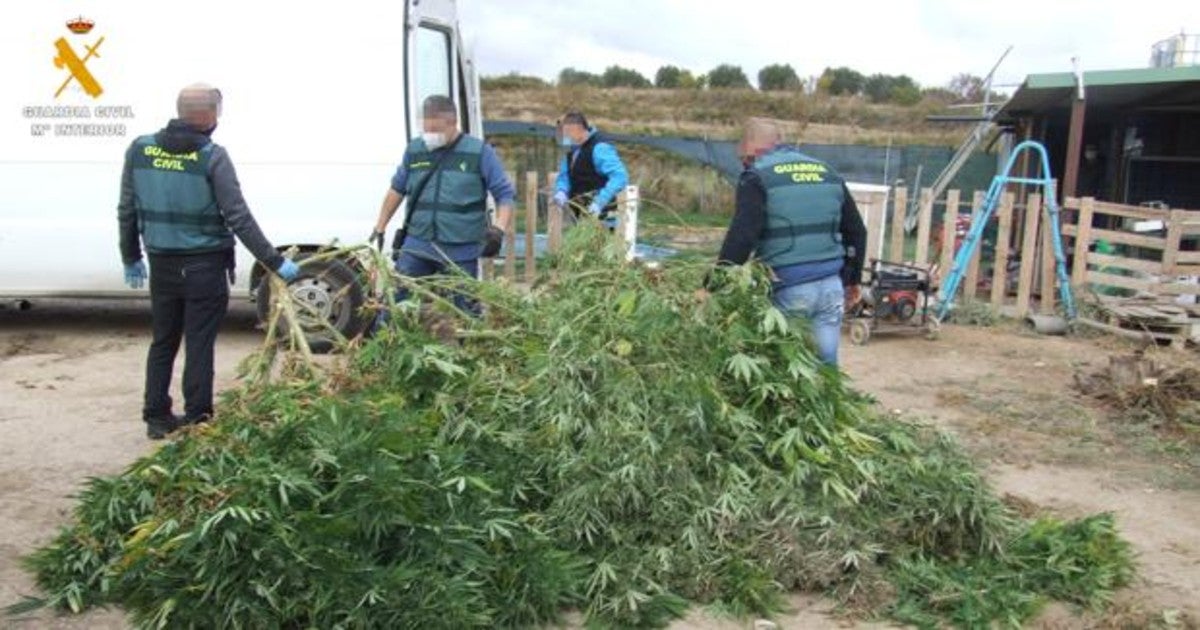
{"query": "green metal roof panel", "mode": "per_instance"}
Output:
(1106, 88)
(1096, 78)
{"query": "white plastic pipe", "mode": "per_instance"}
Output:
(630, 220)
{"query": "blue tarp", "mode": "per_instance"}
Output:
(856, 163)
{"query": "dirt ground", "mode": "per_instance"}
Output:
(70, 390)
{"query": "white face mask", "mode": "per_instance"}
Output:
(434, 139)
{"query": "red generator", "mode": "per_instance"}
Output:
(896, 298)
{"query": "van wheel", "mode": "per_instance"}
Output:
(327, 291)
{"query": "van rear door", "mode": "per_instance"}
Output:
(319, 107)
(436, 63)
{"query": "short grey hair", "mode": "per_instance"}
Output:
(439, 106)
(763, 130)
(196, 98)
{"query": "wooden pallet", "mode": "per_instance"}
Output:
(1156, 318)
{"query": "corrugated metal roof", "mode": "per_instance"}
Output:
(1136, 87)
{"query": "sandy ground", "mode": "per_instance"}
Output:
(70, 408)
(70, 392)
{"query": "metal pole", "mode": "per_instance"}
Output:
(887, 158)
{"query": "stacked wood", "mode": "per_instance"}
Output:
(1159, 318)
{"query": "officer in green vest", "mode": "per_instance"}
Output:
(446, 176)
(180, 198)
(795, 214)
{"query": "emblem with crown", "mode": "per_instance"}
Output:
(80, 25)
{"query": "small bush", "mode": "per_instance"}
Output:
(974, 313)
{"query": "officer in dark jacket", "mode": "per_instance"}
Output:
(591, 174)
(180, 198)
(796, 214)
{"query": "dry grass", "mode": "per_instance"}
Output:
(695, 194)
(674, 191)
(719, 114)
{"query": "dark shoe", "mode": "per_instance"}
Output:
(159, 428)
(199, 420)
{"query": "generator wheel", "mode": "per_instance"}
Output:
(860, 331)
(933, 328)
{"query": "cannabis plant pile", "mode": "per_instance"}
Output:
(608, 441)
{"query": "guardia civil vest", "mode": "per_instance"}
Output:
(176, 210)
(585, 179)
(804, 209)
(453, 205)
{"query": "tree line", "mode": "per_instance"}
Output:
(842, 81)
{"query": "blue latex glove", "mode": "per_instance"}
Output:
(135, 275)
(594, 209)
(288, 270)
(560, 199)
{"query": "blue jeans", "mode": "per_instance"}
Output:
(419, 266)
(821, 302)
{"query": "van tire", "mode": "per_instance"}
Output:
(330, 287)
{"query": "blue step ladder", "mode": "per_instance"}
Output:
(967, 250)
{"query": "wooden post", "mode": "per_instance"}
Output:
(510, 242)
(1174, 236)
(1033, 214)
(510, 254)
(1074, 147)
(972, 278)
(896, 252)
(1025, 132)
(1049, 263)
(1003, 234)
(875, 209)
(1083, 240)
(949, 228)
(923, 226)
(554, 219)
(531, 206)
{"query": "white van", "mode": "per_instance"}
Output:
(320, 100)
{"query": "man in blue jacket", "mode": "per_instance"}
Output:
(797, 216)
(591, 174)
(446, 176)
(180, 197)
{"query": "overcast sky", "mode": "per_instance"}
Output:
(930, 40)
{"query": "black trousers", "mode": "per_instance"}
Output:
(189, 296)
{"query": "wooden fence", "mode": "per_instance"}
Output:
(1168, 236)
(935, 240)
(534, 214)
(1013, 269)
(1150, 253)
(1153, 251)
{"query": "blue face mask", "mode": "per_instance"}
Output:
(566, 142)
